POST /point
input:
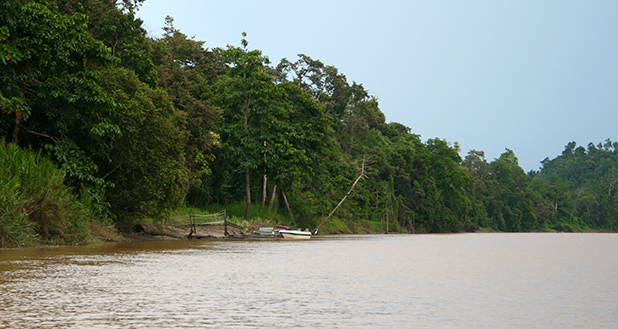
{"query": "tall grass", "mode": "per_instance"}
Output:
(260, 215)
(263, 216)
(35, 205)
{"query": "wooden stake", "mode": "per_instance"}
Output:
(225, 222)
(192, 228)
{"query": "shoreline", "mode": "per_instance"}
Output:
(216, 234)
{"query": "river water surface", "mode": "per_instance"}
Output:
(535, 280)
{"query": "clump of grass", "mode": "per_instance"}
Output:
(254, 223)
(15, 228)
(236, 213)
(335, 225)
(238, 209)
(35, 205)
(260, 215)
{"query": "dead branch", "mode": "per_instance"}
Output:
(360, 176)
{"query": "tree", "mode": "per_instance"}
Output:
(49, 88)
(113, 22)
(578, 186)
(245, 94)
(478, 189)
(510, 203)
(188, 71)
(147, 166)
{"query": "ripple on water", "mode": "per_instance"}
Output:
(420, 281)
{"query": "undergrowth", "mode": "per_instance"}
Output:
(35, 205)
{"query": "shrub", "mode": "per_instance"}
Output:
(34, 202)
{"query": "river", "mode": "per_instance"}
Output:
(484, 280)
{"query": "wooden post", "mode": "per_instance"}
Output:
(192, 229)
(225, 223)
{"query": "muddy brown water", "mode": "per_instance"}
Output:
(538, 280)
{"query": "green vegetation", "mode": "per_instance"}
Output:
(36, 205)
(125, 128)
(573, 192)
(577, 190)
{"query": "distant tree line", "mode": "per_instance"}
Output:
(140, 126)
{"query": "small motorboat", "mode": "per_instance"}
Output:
(265, 232)
(296, 234)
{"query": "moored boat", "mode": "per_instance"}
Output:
(296, 234)
(265, 232)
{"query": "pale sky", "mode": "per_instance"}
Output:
(526, 75)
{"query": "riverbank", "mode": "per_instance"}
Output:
(215, 230)
(178, 228)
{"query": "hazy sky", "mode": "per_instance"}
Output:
(526, 75)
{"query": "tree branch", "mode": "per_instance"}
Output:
(362, 175)
(39, 134)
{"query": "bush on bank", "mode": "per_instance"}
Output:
(35, 205)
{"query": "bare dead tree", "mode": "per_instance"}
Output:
(272, 197)
(360, 176)
(287, 205)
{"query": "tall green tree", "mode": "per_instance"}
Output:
(188, 72)
(245, 94)
(147, 168)
(510, 203)
(578, 187)
(51, 98)
(114, 23)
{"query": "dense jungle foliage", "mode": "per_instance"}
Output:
(137, 126)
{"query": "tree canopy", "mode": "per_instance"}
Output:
(140, 126)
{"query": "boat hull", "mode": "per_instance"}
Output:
(295, 235)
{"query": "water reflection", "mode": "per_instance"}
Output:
(425, 281)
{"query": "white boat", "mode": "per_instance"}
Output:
(265, 232)
(295, 234)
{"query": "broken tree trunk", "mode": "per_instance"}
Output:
(272, 197)
(264, 191)
(287, 205)
(264, 182)
(247, 176)
(248, 191)
(362, 174)
(16, 128)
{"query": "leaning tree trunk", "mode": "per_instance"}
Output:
(362, 174)
(264, 191)
(16, 128)
(247, 176)
(272, 197)
(248, 189)
(287, 204)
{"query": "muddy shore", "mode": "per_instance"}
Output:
(147, 231)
